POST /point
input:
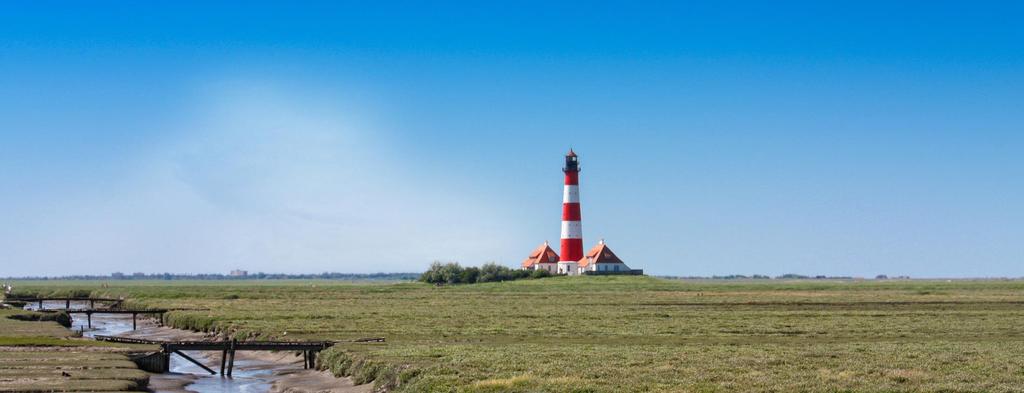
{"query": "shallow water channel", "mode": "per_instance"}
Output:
(249, 375)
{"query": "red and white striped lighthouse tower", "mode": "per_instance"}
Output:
(572, 227)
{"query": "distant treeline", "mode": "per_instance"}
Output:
(789, 276)
(453, 273)
(250, 276)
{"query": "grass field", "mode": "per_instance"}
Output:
(613, 334)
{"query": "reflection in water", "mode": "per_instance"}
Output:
(102, 324)
(249, 376)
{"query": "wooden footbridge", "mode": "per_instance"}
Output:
(114, 302)
(160, 362)
(309, 350)
(112, 308)
(135, 314)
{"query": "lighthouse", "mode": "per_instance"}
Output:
(599, 261)
(572, 227)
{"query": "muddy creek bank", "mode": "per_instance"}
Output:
(253, 372)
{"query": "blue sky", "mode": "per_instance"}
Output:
(841, 138)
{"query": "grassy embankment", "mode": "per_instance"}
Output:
(613, 334)
(42, 356)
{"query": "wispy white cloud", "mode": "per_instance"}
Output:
(264, 179)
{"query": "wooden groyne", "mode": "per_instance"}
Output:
(156, 362)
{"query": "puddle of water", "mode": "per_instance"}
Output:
(249, 376)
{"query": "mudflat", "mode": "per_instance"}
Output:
(287, 372)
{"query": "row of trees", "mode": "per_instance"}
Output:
(453, 273)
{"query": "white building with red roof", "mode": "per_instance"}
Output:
(600, 260)
(542, 258)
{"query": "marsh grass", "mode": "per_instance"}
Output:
(20, 323)
(39, 355)
(614, 334)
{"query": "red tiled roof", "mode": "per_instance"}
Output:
(599, 254)
(542, 254)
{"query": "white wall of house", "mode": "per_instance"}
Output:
(550, 267)
(611, 267)
(605, 267)
(570, 268)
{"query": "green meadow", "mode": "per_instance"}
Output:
(623, 334)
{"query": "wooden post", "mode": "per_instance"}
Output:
(231, 360)
(40, 304)
(134, 324)
(88, 316)
(92, 303)
(223, 360)
(312, 359)
(305, 360)
(67, 304)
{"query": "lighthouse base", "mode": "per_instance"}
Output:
(571, 268)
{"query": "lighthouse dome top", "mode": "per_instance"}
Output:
(571, 153)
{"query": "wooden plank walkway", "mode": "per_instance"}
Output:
(34, 299)
(309, 349)
(67, 300)
(135, 314)
(204, 345)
